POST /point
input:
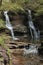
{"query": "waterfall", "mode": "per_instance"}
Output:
(32, 27)
(33, 48)
(9, 26)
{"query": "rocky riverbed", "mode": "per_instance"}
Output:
(11, 52)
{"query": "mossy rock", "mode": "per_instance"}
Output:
(20, 28)
(2, 42)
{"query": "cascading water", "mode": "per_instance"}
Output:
(9, 26)
(32, 27)
(33, 49)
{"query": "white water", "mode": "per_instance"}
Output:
(9, 26)
(33, 49)
(32, 27)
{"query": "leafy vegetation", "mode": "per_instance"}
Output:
(1, 41)
(16, 5)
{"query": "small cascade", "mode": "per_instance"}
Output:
(9, 26)
(33, 49)
(33, 31)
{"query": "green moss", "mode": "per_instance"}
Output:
(2, 24)
(1, 41)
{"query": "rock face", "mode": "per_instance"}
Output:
(19, 22)
(38, 22)
(41, 49)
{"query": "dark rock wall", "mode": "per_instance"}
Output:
(21, 18)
